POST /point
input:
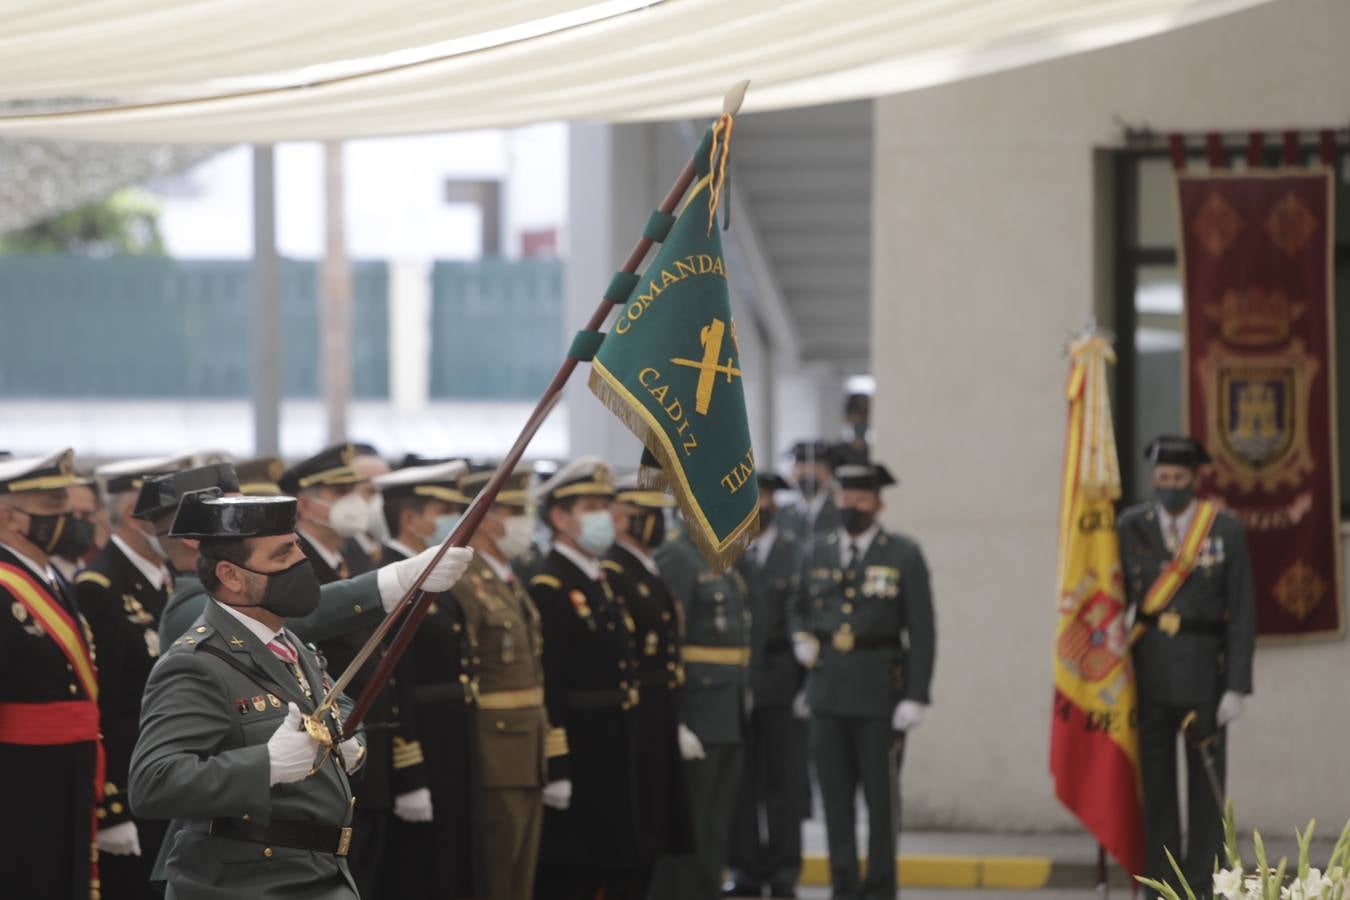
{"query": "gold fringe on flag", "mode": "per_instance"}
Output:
(629, 411)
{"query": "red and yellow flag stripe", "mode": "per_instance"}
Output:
(55, 621)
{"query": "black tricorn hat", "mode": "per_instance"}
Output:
(1176, 450)
(332, 466)
(161, 493)
(208, 514)
(816, 451)
(771, 481)
(864, 477)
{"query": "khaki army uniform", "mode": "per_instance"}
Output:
(512, 725)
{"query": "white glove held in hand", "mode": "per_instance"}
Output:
(908, 715)
(414, 806)
(290, 749)
(1230, 707)
(396, 579)
(800, 708)
(690, 746)
(806, 649)
(558, 794)
(120, 840)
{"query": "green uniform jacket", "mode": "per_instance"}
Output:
(874, 623)
(1213, 651)
(202, 755)
(342, 604)
(716, 627)
(775, 676)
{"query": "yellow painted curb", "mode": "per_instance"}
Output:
(1002, 872)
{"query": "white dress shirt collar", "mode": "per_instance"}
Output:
(589, 565)
(332, 557)
(154, 572)
(643, 557)
(48, 573)
(396, 545)
(763, 545)
(1174, 528)
(500, 569)
(258, 629)
(862, 541)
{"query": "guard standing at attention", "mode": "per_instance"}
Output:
(1193, 657)
(592, 834)
(663, 800)
(775, 756)
(716, 657)
(866, 633)
(505, 630)
(435, 846)
(51, 762)
(122, 592)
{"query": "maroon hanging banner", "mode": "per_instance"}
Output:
(1256, 264)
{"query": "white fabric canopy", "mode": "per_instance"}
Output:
(270, 70)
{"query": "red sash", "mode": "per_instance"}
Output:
(62, 721)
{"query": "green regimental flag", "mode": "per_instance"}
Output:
(670, 369)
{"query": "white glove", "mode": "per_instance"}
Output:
(1230, 707)
(908, 715)
(806, 649)
(120, 840)
(799, 708)
(397, 578)
(558, 794)
(690, 746)
(291, 750)
(353, 754)
(414, 806)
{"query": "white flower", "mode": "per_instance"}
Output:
(1314, 887)
(1228, 884)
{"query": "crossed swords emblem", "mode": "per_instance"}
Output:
(712, 337)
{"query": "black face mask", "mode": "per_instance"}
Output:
(808, 485)
(291, 593)
(648, 530)
(45, 531)
(75, 540)
(765, 517)
(1175, 500)
(855, 521)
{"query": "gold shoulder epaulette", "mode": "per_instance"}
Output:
(546, 581)
(611, 565)
(97, 578)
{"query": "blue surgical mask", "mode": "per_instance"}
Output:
(597, 532)
(444, 525)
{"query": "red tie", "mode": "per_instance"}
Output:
(282, 648)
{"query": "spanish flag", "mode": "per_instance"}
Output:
(1094, 735)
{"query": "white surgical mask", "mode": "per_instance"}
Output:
(518, 537)
(444, 525)
(377, 527)
(349, 516)
(597, 532)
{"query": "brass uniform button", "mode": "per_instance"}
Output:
(847, 608)
(357, 608)
(267, 852)
(850, 593)
(201, 629)
(73, 689)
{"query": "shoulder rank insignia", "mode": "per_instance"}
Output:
(97, 578)
(612, 566)
(546, 581)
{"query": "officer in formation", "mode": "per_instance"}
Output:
(435, 844)
(121, 593)
(504, 628)
(814, 513)
(262, 805)
(716, 657)
(865, 631)
(775, 754)
(50, 756)
(1193, 653)
(592, 838)
(654, 617)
